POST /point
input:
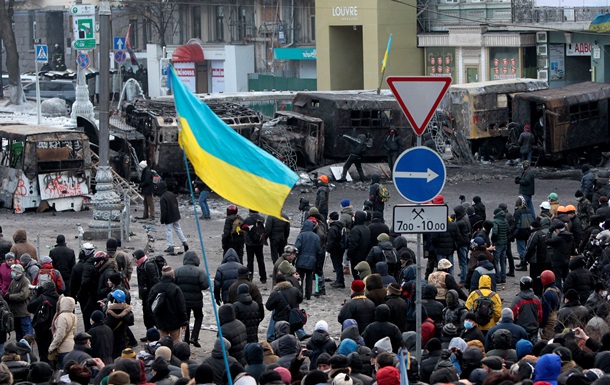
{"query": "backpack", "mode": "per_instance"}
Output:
(236, 225)
(484, 308)
(383, 194)
(344, 238)
(257, 232)
(159, 304)
(390, 256)
(7, 321)
(43, 318)
(161, 262)
(46, 275)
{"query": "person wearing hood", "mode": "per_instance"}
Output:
(63, 329)
(359, 241)
(63, 259)
(382, 327)
(363, 271)
(233, 330)
(248, 312)
(192, 281)
(46, 273)
(355, 363)
(310, 256)
(375, 194)
(383, 252)
(216, 360)
(320, 343)
(5, 245)
(378, 227)
(580, 279)
(283, 298)
(119, 317)
(500, 242)
(561, 242)
(147, 188)
(430, 359)
(22, 245)
(358, 307)
(444, 281)
(397, 305)
(43, 316)
(501, 346)
(226, 275)
(288, 348)
(160, 370)
(253, 353)
(548, 369)
(517, 332)
(476, 222)
(484, 268)
(170, 217)
(572, 314)
(269, 356)
(335, 246)
(5, 272)
(431, 307)
(375, 291)
(102, 338)
(17, 297)
(478, 247)
(485, 289)
(462, 240)
(386, 278)
(30, 267)
(527, 308)
(170, 312)
(550, 300)
(349, 330)
(454, 310)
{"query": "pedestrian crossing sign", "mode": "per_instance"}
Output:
(42, 53)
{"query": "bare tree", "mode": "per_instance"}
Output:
(12, 56)
(158, 13)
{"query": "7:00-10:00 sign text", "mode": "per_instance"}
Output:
(424, 226)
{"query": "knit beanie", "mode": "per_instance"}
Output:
(334, 216)
(97, 316)
(271, 376)
(46, 259)
(168, 271)
(118, 377)
(345, 203)
(182, 350)
(79, 374)
(40, 372)
(314, 377)
(243, 288)
(394, 289)
(343, 379)
(164, 352)
(321, 325)
(128, 353)
(285, 374)
(388, 375)
(204, 374)
(153, 334)
(358, 286)
(286, 268)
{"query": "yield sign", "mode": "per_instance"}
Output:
(419, 96)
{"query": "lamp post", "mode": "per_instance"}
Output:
(106, 202)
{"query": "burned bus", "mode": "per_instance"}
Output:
(575, 125)
(44, 164)
(353, 113)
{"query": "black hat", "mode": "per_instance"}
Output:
(338, 361)
(115, 279)
(334, 216)
(314, 377)
(433, 345)
(204, 374)
(572, 295)
(578, 379)
(585, 168)
(564, 353)
(112, 244)
(82, 337)
(323, 358)
(11, 347)
(503, 206)
(493, 362)
(138, 254)
(60, 239)
(153, 334)
(40, 372)
(97, 316)
(270, 376)
(535, 224)
(243, 272)
(159, 364)
(482, 257)
(579, 194)
(471, 316)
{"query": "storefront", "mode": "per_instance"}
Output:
(302, 58)
(351, 41)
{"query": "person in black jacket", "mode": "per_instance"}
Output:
(358, 307)
(192, 281)
(479, 207)
(429, 360)
(233, 330)
(398, 307)
(170, 217)
(102, 338)
(562, 243)
(232, 234)
(148, 276)
(359, 147)
(462, 242)
(335, 246)
(63, 260)
(443, 245)
(147, 188)
(580, 279)
(535, 255)
(243, 277)
(359, 241)
(43, 316)
(88, 289)
(283, 298)
(170, 315)
(276, 233)
(5, 245)
(248, 312)
(254, 225)
(226, 275)
(382, 327)
(431, 307)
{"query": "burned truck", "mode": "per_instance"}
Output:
(575, 125)
(353, 113)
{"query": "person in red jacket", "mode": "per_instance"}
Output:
(48, 273)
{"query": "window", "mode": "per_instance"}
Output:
(220, 24)
(33, 35)
(584, 111)
(370, 118)
(242, 24)
(312, 26)
(133, 32)
(196, 13)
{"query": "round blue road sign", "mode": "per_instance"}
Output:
(120, 56)
(419, 174)
(83, 60)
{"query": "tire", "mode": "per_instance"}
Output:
(572, 159)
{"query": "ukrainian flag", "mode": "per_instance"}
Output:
(600, 23)
(228, 163)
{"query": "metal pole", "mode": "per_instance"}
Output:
(38, 108)
(418, 268)
(38, 245)
(104, 13)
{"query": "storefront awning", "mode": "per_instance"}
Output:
(295, 53)
(189, 53)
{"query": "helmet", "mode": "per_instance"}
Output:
(231, 209)
(570, 208)
(547, 277)
(526, 283)
(119, 295)
(553, 197)
(545, 205)
(323, 179)
(289, 249)
(603, 238)
(88, 248)
(100, 258)
(562, 209)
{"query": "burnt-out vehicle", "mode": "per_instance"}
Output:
(295, 139)
(353, 113)
(575, 121)
(156, 121)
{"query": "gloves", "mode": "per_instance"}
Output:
(517, 179)
(218, 301)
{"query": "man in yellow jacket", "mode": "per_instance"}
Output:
(477, 302)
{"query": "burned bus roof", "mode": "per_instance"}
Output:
(293, 114)
(571, 94)
(347, 99)
(21, 132)
(500, 86)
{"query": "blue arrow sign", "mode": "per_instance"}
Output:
(419, 174)
(119, 42)
(42, 53)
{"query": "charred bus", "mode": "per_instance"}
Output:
(481, 112)
(574, 121)
(44, 164)
(353, 113)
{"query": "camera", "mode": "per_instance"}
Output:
(90, 364)
(307, 353)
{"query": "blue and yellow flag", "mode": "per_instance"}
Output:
(600, 23)
(228, 163)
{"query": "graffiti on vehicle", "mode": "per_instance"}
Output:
(62, 184)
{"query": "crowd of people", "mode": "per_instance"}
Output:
(553, 331)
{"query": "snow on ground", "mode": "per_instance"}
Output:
(26, 114)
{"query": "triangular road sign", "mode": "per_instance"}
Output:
(42, 53)
(419, 96)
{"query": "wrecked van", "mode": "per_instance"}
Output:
(41, 164)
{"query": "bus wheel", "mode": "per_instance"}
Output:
(572, 159)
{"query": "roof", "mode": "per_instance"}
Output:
(572, 94)
(21, 132)
(501, 86)
(293, 114)
(386, 95)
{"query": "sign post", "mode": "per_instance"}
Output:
(42, 55)
(419, 182)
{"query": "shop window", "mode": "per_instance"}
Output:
(196, 24)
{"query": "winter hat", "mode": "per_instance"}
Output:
(338, 361)
(82, 337)
(470, 210)
(383, 237)
(286, 268)
(493, 362)
(204, 374)
(314, 377)
(243, 288)
(285, 373)
(334, 216)
(503, 206)
(552, 368)
(572, 295)
(394, 289)
(321, 325)
(243, 272)
(115, 279)
(535, 224)
(527, 127)
(17, 268)
(388, 375)
(270, 375)
(139, 254)
(507, 313)
(577, 379)
(46, 259)
(40, 372)
(345, 203)
(594, 374)
(164, 352)
(112, 244)
(523, 348)
(7, 378)
(314, 211)
(438, 200)
(118, 377)
(153, 334)
(357, 286)
(159, 364)
(79, 374)
(585, 168)
(384, 345)
(479, 241)
(347, 346)
(25, 259)
(97, 316)
(433, 345)
(167, 271)
(471, 316)
(564, 353)
(476, 199)
(482, 257)
(143, 164)
(578, 194)
(345, 379)
(128, 353)
(545, 205)
(182, 351)
(444, 264)
(323, 359)
(450, 330)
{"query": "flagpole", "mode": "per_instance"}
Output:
(384, 63)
